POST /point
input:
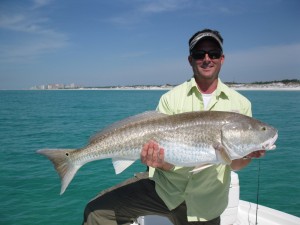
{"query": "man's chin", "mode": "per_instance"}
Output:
(207, 76)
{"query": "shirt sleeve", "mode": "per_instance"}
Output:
(164, 106)
(246, 107)
(248, 110)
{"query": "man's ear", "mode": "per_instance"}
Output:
(222, 59)
(190, 59)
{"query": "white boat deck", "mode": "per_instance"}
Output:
(238, 212)
(265, 216)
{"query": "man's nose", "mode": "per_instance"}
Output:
(206, 57)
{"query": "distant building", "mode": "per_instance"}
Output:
(55, 86)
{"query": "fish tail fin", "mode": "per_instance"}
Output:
(64, 166)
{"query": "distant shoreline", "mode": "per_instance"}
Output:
(284, 85)
(266, 87)
(248, 88)
(238, 87)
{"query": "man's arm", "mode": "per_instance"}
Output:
(239, 164)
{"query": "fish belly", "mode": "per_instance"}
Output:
(181, 154)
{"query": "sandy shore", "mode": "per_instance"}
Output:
(266, 87)
(161, 89)
(248, 87)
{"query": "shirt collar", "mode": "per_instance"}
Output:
(221, 88)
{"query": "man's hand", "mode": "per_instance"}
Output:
(241, 163)
(256, 154)
(152, 155)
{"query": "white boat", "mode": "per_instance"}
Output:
(238, 212)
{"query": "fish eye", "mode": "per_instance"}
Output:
(263, 128)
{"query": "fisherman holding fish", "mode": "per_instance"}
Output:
(169, 190)
(201, 131)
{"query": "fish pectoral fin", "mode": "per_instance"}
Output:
(121, 164)
(198, 169)
(222, 154)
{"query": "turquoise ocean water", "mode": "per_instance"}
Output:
(31, 120)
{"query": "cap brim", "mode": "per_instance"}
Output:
(203, 36)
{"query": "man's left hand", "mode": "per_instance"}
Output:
(256, 154)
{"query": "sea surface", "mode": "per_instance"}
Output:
(31, 120)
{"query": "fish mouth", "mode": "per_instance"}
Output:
(269, 144)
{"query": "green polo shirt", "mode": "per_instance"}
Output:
(205, 193)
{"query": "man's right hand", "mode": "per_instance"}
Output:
(152, 155)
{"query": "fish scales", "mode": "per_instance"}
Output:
(129, 137)
(189, 139)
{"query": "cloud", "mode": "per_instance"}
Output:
(29, 34)
(263, 63)
(140, 10)
(134, 54)
(40, 3)
(27, 51)
(159, 6)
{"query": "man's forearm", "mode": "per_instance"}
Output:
(239, 164)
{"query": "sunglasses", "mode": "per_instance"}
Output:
(212, 54)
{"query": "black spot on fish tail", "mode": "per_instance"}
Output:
(64, 166)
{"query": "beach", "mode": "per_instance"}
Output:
(266, 87)
(283, 85)
(244, 87)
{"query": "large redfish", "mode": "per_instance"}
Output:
(189, 139)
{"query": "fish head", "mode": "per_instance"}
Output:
(247, 135)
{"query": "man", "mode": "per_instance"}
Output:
(171, 191)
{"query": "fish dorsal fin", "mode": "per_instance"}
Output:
(148, 115)
(121, 164)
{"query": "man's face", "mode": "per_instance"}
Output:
(206, 68)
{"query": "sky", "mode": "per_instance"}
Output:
(135, 42)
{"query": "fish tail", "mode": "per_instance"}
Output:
(64, 166)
